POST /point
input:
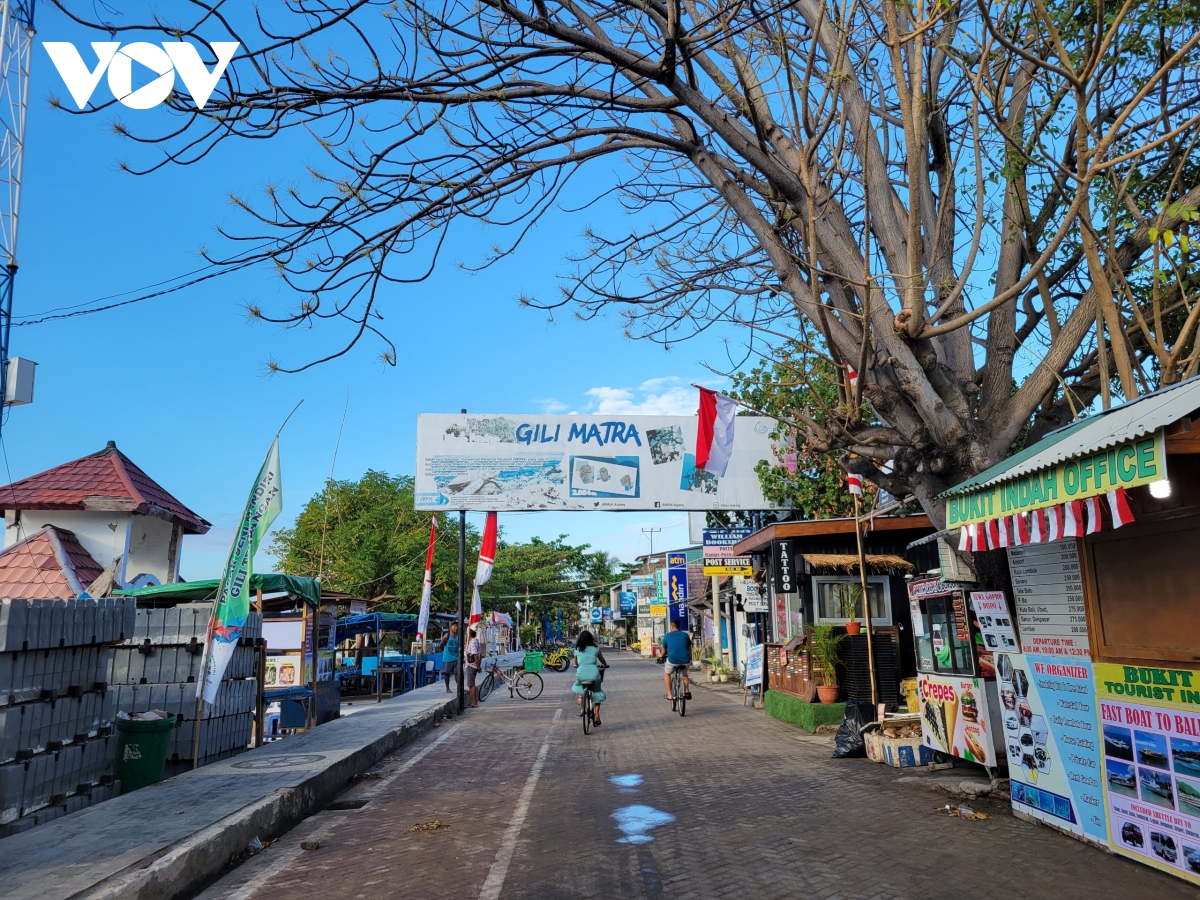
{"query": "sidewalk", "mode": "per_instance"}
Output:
(171, 838)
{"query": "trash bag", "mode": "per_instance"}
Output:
(848, 742)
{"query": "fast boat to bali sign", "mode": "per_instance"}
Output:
(513, 462)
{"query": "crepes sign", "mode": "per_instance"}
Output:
(954, 718)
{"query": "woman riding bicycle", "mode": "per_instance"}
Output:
(588, 660)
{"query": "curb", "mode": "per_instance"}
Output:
(194, 862)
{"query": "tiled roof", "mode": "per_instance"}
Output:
(50, 563)
(106, 481)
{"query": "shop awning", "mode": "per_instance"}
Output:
(392, 623)
(848, 562)
(306, 589)
(760, 540)
(1119, 425)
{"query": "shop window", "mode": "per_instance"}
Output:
(1144, 592)
(831, 592)
(944, 642)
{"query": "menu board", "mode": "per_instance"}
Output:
(1150, 722)
(1050, 738)
(995, 622)
(1048, 593)
(954, 717)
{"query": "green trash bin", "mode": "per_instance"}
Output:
(142, 751)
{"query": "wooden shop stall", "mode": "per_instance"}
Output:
(1093, 615)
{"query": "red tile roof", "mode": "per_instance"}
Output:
(50, 563)
(107, 481)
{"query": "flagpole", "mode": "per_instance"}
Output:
(462, 583)
(866, 600)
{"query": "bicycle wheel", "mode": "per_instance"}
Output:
(587, 711)
(681, 693)
(563, 664)
(485, 687)
(529, 685)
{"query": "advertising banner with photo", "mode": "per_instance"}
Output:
(1150, 723)
(511, 462)
(954, 717)
(1054, 766)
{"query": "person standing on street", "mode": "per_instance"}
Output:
(473, 665)
(677, 647)
(450, 656)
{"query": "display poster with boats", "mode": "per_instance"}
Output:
(1050, 736)
(954, 717)
(1150, 722)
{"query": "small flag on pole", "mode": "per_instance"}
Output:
(714, 432)
(1092, 504)
(851, 376)
(1118, 505)
(483, 571)
(854, 482)
(427, 584)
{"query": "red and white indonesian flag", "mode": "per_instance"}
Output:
(427, 586)
(714, 435)
(1092, 505)
(1072, 512)
(1038, 533)
(854, 482)
(1118, 505)
(483, 571)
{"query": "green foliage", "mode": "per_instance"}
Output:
(795, 711)
(823, 644)
(528, 634)
(799, 380)
(365, 539)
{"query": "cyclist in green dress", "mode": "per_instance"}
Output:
(588, 660)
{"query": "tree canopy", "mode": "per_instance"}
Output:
(364, 538)
(955, 196)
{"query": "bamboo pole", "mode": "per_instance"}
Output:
(866, 600)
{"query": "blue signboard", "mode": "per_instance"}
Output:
(628, 603)
(677, 588)
(597, 615)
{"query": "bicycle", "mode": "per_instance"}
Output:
(678, 694)
(558, 659)
(528, 685)
(586, 707)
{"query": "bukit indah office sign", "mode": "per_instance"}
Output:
(1126, 465)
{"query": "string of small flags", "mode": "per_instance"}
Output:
(1074, 518)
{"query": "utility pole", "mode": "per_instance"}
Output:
(16, 46)
(651, 532)
(462, 586)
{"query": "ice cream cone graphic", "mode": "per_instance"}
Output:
(950, 713)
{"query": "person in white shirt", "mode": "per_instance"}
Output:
(473, 666)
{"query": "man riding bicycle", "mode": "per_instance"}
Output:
(677, 647)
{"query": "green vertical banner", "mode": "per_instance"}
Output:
(232, 604)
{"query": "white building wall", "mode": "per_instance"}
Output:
(102, 534)
(150, 549)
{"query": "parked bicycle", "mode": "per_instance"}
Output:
(527, 685)
(558, 658)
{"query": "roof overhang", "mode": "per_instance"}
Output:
(818, 527)
(1120, 448)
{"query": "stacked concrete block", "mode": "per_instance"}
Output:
(56, 710)
(159, 667)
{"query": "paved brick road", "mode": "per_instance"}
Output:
(759, 810)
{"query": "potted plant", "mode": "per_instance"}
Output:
(722, 672)
(850, 602)
(823, 646)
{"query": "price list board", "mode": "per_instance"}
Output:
(1048, 590)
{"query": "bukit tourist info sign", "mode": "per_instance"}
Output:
(510, 462)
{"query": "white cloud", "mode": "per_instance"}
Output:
(666, 396)
(550, 406)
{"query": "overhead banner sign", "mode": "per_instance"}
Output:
(1126, 465)
(729, 565)
(508, 462)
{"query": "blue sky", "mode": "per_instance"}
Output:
(178, 382)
